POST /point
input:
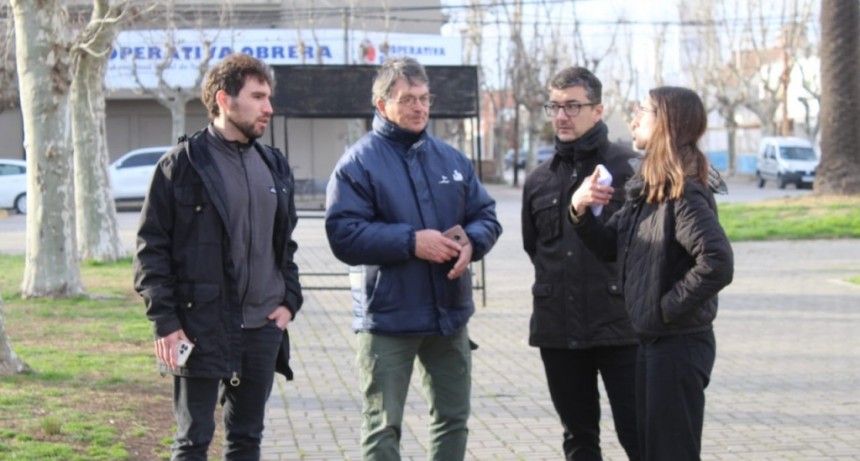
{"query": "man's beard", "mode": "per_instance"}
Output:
(246, 128)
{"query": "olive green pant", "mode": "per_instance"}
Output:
(385, 368)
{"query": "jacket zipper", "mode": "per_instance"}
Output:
(250, 234)
(234, 381)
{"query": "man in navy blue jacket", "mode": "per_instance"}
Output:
(390, 198)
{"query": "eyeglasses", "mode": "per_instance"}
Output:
(409, 101)
(642, 110)
(571, 109)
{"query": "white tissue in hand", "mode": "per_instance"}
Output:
(604, 178)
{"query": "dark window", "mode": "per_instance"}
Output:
(768, 153)
(9, 170)
(797, 153)
(145, 159)
(348, 91)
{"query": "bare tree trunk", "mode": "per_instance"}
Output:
(177, 115)
(728, 111)
(839, 171)
(98, 232)
(765, 110)
(51, 267)
(8, 74)
(731, 144)
(516, 147)
(172, 97)
(10, 363)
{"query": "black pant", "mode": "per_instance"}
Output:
(671, 376)
(572, 379)
(194, 401)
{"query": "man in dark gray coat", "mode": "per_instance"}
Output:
(578, 319)
(215, 265)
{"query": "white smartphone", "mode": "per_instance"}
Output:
(183, 352)
(604, 178)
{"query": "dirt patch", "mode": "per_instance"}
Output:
(141, 416)
(147, 434)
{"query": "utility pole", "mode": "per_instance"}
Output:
(516, 84)
(345, 20)
(785, 125)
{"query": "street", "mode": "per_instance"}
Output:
(741, 190)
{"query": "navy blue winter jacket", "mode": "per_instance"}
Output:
(387, 186)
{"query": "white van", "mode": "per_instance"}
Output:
(787, 161)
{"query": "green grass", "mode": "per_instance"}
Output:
(809, 217)
(94, 393)
(798, 218)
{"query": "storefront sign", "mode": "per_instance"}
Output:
(138, 54)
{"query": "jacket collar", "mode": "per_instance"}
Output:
(388, 130)
(236, 146)
(587, 145)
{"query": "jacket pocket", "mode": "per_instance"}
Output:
(545, 215)
(383, 289)
(198, 309)
(541, 290)
(196, 214)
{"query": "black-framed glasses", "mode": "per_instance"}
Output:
(571, 109)
(408, 101)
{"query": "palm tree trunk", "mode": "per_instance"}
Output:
(839, 172)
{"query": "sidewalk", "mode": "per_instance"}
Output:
(786, 385)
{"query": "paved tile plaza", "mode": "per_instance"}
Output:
(786, 385)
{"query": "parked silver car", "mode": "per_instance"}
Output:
(131, 174)
(13, 185)
(545, 154)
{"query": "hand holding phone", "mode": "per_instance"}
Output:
(604, 178)
(183, 351)
(457, 234)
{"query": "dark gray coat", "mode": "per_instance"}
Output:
(183, 267)
(674, 259)
(577, 299)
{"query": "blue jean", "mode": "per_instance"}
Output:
(385, 367)
(671, 376)
(572, 378)
(194, 401)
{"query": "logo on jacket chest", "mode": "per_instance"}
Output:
(456, 176)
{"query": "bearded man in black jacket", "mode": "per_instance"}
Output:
(215, 264)
(578, 319)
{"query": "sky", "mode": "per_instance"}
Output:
(647, 20)
(597, 19)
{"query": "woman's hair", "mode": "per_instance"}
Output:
(672, 152)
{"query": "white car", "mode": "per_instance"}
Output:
(13, 185)
(131, 174)
(786, 160)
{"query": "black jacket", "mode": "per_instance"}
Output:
(183, 267)
(674, 258)
(577, 299)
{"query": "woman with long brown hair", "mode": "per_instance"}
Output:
(674, 259)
